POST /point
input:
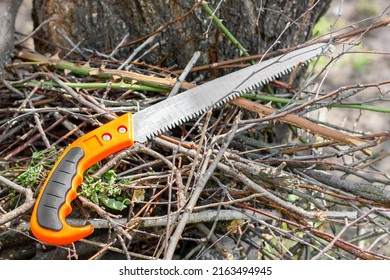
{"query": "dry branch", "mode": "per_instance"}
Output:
(372, 192)
(24, 208)
(210, 180)
(290, 118)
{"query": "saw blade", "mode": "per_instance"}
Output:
(176, 110)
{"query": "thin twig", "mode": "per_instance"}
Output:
(184, 74)
(135, 52)
(195, 195)
(26, 206)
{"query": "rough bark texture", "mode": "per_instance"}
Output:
(8, 10)
(101, 25)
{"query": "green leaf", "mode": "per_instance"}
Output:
(112, 203)
(40, 162)
(93, 169)
(110, 175)
(31, 176)
(95, 198)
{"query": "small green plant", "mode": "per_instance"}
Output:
(104, 191)
(41, 162)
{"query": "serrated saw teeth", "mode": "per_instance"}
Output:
(188, 105)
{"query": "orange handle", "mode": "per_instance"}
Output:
(53, 204)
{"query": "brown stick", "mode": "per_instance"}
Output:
(26, 206)
(132, 77)
(298, 121)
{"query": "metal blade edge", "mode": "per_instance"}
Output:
(174, 111)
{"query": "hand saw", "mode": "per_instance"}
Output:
(53, 204)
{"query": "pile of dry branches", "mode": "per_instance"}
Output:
(219, 186)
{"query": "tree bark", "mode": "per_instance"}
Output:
(186, 28)
(8, 10)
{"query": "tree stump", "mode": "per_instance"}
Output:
(184, 26)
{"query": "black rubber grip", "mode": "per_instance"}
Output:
(58, 185)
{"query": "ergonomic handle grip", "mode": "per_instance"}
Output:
(53, 204)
